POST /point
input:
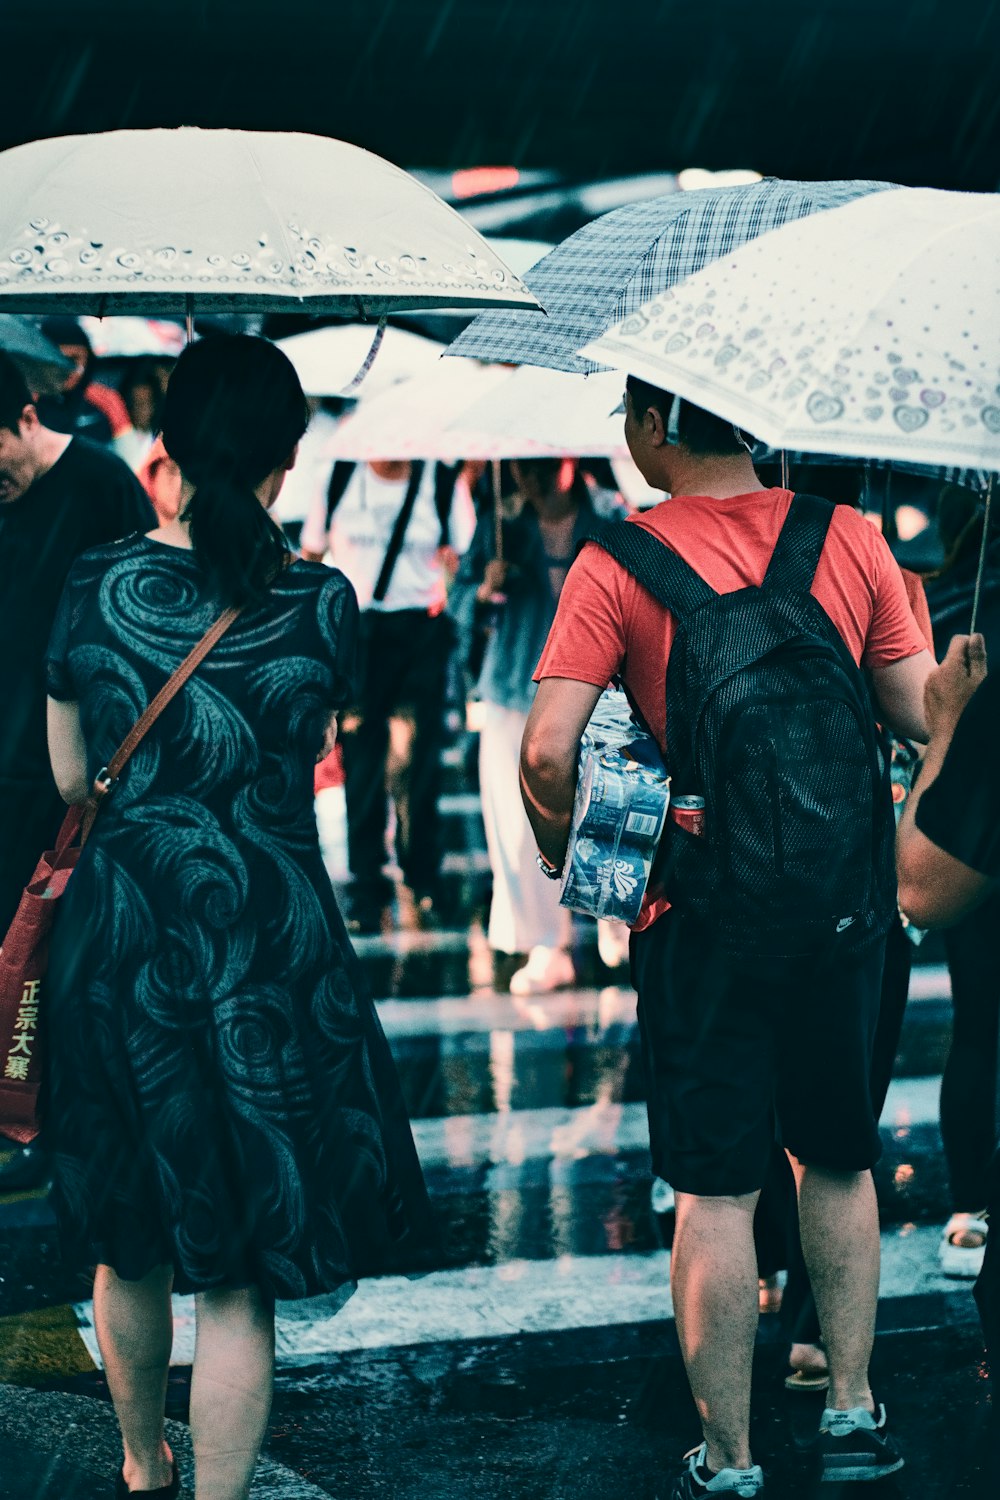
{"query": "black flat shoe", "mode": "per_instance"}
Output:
(165, 1492)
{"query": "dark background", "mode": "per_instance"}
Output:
(907, 90)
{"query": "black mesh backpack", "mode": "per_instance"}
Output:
(769, 720)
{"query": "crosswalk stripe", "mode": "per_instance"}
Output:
(590, 1009)
(470, 1015)
(517, 1297)
(604, 1128)
(930, 982)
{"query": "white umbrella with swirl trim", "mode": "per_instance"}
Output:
(186, 221)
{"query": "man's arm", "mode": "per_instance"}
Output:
(899, 693)
(549, 755)
(935, 888)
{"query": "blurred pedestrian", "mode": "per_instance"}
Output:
(142, 389)
(397, 531)
(84, 406)
(554, 512)
(308, 484)
(59, 496)
(728, 1037)
(225, 1114)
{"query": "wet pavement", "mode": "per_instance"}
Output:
(539, 1361)
(600, 1413)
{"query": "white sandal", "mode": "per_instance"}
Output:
(963, 1262)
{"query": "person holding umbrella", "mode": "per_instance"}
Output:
(969, 1081)
(555, 510)
(749, 1006)
(948, 854)
(225, 1115)
(84, 406)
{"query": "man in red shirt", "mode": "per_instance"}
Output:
(726, 1059)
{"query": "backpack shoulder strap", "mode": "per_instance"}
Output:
(340, 478)
(799, 546)
(398, 536)
(653, 564)
(445, 479)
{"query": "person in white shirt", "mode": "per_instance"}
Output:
(312, 469)
(396, 530)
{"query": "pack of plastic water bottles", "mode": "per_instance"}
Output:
(622, 797)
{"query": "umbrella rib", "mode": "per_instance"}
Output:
(287, 248)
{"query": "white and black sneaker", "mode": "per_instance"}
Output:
(855, 1446)
(698, 1481)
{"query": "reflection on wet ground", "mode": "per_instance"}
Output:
(540, 1360)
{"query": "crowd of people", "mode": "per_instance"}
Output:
(239, 1132)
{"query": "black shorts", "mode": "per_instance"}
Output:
(734, 1063)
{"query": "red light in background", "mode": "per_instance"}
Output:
(473, 181)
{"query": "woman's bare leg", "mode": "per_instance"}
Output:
(231, 1385)
(135, 1332)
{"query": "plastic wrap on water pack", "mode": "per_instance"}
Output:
(622, 796)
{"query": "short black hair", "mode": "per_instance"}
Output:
(14, 393)
(701, 432)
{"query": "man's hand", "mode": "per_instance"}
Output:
(494, 579)
(949, 688)
(935, 888)
(448, 560)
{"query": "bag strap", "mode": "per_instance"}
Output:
(340, 478)
(108, 775)
(799, 546)
(395, 546)
(652, 563)
(445, 479)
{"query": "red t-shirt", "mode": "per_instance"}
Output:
(607, 624)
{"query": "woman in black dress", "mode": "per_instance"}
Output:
(222, 1106)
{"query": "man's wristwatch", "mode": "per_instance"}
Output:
(551, 872)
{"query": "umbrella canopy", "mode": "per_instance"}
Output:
(134, 338)
(609, 268)
(43, 366)
(463, 410)
(974, 479)
(326, 360)
(873, 331)
(180, 221)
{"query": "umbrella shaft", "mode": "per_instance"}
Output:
(982, 553)
(497, 509)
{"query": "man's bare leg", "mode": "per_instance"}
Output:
(713, 1280)
(838, 1222)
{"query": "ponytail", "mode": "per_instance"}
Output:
(233, 413)
(239, 548)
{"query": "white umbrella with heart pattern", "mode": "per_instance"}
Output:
(872, 330)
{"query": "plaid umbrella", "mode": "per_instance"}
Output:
(610, 267)
(969, 479)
